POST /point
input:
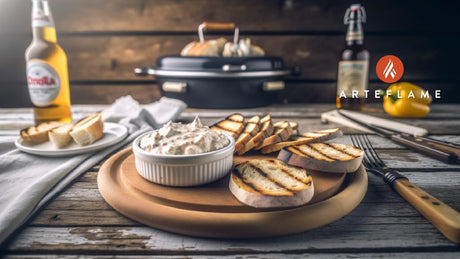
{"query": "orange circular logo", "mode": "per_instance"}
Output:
(389, 69)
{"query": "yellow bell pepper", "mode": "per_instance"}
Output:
(406, 100)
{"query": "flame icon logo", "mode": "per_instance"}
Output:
(390, 69)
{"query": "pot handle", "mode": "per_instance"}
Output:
(212, 26)
(144, 71)
(220, 27)
(141, 71)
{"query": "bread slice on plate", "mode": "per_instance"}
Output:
(294, 126)
(304, 138)
(60, 136)
(282, 131)
(327, 157)
(266, 130)
(271, 183)
(39, 134)
(250, 130)
(233, 125)
(88, 130)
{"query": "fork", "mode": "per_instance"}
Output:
(443, 217)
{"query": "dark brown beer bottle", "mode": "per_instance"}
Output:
(352, 78)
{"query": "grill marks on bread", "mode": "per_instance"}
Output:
(250, 130)
(233, 125)
(271, 177)
(328, 157)
(266, 130)
(39, 134)
(328, 152)
(308, 137)
(282, 131)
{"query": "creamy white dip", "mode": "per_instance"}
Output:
(183, 139)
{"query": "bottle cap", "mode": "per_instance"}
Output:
(355, 12)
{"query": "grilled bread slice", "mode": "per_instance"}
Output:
(39, 134)
(271, 183)
(60, 136)
(88, 130)
(304, 138)
(266, 130)
(282, 131)
(327, 157)
(233, 125)
(250, 130)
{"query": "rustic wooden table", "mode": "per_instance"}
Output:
(79, 222)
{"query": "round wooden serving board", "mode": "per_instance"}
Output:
(212, 211)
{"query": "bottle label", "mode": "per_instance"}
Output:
(41, 17)
(352, 76)
(44, 83)
(354, 35)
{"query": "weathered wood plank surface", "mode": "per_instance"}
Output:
(427, 255)
(109, 58)
(82, 205)
(296, 91)
(79, 221)
(442, 114)
(438, 111)
(179, 15)
(105, 40)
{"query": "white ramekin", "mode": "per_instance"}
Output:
(183, 170)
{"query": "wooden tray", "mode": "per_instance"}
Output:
(212, 211)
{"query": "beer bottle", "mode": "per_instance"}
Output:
(47, 75)
(353, 68)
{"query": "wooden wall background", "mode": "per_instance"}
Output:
(106, 39)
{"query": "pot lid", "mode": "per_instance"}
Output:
(219, 64)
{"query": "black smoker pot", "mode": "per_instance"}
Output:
(220, 82)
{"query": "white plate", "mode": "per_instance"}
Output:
(113, 133)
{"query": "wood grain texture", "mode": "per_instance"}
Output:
(296, 92)
(82, 205)
(271, 15)
(79, 222)
(105, 46)
(115, 57)
(443, 217)
(212, 211)
(421, 255)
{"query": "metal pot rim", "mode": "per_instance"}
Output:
(213, 74)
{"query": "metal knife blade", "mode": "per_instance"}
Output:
(447, 153)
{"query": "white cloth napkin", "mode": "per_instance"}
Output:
(27, 181)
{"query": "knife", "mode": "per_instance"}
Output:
(441, 150)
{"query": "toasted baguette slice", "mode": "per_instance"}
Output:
(327, 157)
(233, 125)
(266, 130)
(60, 136)
(304, 138)
(39, 134)
(250, 130)
(271, 183)
(282, 131)
(294, 126)
(88, 130)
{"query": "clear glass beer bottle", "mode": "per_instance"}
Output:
(47, 75)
